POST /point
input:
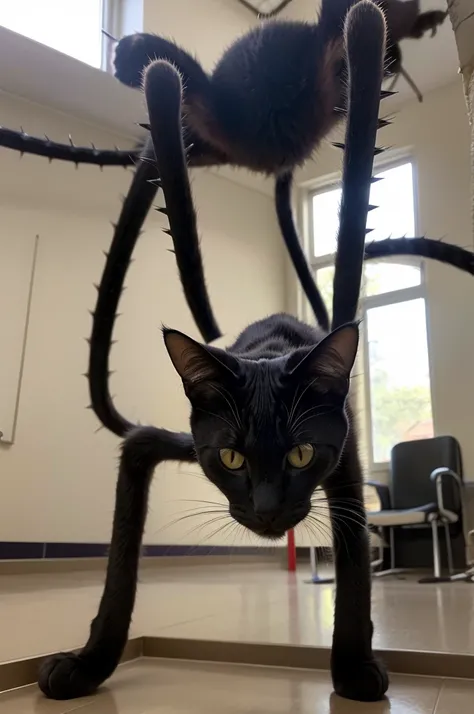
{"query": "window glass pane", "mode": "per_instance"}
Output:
(324, 281)
(70, 26)
(394, 217)
(384, 277)
(326, 221)
(400, 399)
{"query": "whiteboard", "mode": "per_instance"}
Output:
(17, 262)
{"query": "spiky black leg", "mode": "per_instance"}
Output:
(68, 675)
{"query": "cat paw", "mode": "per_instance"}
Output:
(363, 681)
(64, 676)
(428, 21)
(132, 54)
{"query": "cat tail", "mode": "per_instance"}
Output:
(52, 150)
(422, 247)
(290, 236)
(364, 36)
(127, 230)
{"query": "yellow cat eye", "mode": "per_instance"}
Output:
(231, 459)
(301, 455)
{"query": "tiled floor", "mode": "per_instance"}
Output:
(163, 687)
(45, 613)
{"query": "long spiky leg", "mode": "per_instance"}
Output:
(163, 93)
(355, 671)
(422, 247)
(25, 144)
(69, 675)
(139, 199)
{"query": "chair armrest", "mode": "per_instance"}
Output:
(383, 492)
(437, 477)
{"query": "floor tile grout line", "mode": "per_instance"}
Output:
(439, 696)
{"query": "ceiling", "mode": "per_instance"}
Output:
(431, 62)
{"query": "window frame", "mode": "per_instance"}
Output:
(111, 26)
(332, 181)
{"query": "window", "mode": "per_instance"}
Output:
(74, 27)
(394, 389)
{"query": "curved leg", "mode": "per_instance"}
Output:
(135, 52)
(430, 20)
(68, 675)
(355, 671)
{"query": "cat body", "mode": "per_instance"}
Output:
(274, 93)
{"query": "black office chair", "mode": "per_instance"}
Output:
(425, 490)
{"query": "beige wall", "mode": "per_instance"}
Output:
(57, 480)
(204, 28)
(436, 133)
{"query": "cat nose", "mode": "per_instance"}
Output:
(265, 499)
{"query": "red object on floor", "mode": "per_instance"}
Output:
(291, 551)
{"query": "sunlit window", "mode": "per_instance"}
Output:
(396, 380)
(73, 27)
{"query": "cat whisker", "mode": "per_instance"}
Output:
(317, 529)
(318, 412)
(186, 516)
(217, 416)
(200, 526)
(348, 513)
(232, 406)
(344, 518)
(199, 500)
(311, 534)
(294, 408)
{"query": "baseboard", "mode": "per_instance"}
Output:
(428, 664)
(31, 558)
(60, 551)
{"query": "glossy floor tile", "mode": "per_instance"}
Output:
(254, 603)
(164, 687)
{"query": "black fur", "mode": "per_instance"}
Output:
(127, 231)
(422, 247)
(296, 252)
(163, 95)
(52, 150)
(67, 675)
(363, 79)
(281, 384)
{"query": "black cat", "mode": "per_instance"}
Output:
(270, 418)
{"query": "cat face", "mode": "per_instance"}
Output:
(267, 432)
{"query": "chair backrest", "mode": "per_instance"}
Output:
(412, 463)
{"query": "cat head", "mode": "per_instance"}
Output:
(267, 432)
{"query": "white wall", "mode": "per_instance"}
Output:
(205, 28)
(436, 133)
(57, 480)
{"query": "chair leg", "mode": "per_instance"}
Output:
(436, 555)
(392, 570)
(449, 549)
(436, 577)
(316, 579)
(375, 564)
(392, 548)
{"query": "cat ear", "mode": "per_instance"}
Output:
(196, 363)
(330, 363)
